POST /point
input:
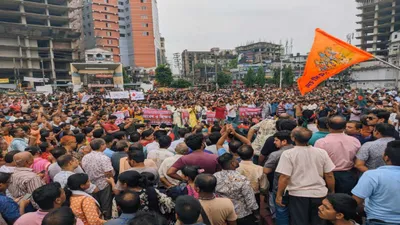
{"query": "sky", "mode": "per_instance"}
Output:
(204, 24)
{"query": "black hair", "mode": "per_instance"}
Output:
(358, 124)
(150, 177)
(147, 133)
(216, 128)
(108, 138)
(133, 179)
(148, 218)
(246, 152)
(13, 131)
(58, 151)
(182, 132)
(343, 203)
(225, 160)
(303, 135)
(76, 180)
(195, 141)
(33, 150)
(188, 209)
(43, 135)
(60, 216)
(385, 129)
(287, 124)
(4, 177)
(206, 182)
(98, 133)
(9, 158)
(45, 195)
(134, 137)
(119, 135)
(393, 152)
(137, 156)
(381, 114)
(214, 137)
(64, 160)
(80, 138)
(159, 133)
(234, 145)
(164, 141)
(323, 123)
(191, 171)
(128, 201)
(136, 147)
(87, 130)
(337, 123)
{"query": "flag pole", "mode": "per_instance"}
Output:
(387, 63)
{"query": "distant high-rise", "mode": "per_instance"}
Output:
(379, 19)
(128, 28)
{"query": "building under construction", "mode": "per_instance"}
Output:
(379, 19)
(38, 39)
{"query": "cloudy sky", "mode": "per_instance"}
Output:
(203, 24)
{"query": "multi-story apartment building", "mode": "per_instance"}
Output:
(37, 40)
(257, 52)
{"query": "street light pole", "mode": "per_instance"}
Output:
(280, 75)
(41, 62)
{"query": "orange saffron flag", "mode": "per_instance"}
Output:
(328, 57)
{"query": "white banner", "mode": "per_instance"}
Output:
(120, 117)
(47, 89)
(35, 79)
(137, 95)
(119, 94)
(86, 98)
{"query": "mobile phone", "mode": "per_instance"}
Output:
(26, 197)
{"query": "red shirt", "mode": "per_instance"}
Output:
(220, 112)
(110, 127)
(208, 162)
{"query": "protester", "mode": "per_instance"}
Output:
(181, 149)
(305, 173)
(160, 154)
(54, 168)
(378, 189)
(128, 202)
(338, 209)
(322, 125)
(61, 216)
(188, 210)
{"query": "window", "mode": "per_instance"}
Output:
(106, 1)
(143, 1)
(108, 33)
(122, 27)
(127, 1)
(84, 27)
(143, 7)
(121, 18)
(126, 9)
(88, 16)
(109, 42)
(144, 17)
(88, 25)
(90, 33)
(128, 25)
(145, 33)
(120, 10)
(129, 34)
(120, 3)
(106, 16)
(105, 8)
(395, 36)
(145, 25)
(108, 25)
(127, 17)
(122, 35)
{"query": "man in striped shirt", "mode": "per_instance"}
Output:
(24, 180)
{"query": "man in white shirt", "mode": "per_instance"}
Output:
(159, 155)
(181, 150)
(182, 132)
(306, 172)
(231, 109)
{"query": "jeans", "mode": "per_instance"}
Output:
(379, 223)
(281, 213)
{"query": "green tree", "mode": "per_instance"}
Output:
(180, 83)
(127, 79)
(288, 76)
(233, 63)
(164, 75)
(223, 79)
(260, 77)
(276, 76)
(250, 78)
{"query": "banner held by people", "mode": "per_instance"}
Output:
(328, 57)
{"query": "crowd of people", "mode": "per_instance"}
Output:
(331, 157)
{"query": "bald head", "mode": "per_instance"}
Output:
(301, 135)
(23, 159)
(284, 116)
(181, 149)
(337, 124)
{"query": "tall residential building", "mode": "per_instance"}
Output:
(379, 18)
(36, 40)
(259, 51)
(101, 26)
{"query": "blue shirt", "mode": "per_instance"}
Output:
(380, 188)
(122, 220)
(9, 209)
(222, 151)
(18, 144)
(289, 108)
(108, 152)
(316, 136)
